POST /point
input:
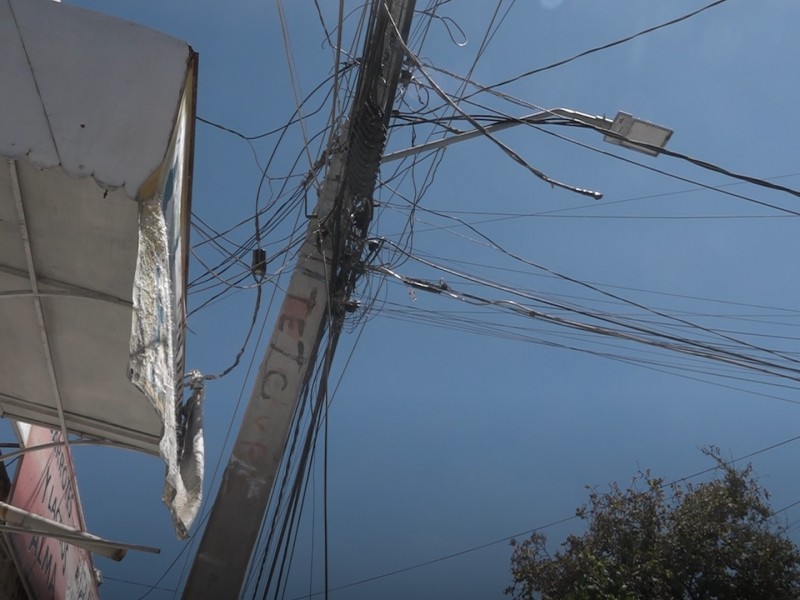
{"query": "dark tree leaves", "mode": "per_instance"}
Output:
(715, 540)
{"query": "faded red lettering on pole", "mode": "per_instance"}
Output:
(292, 321)
(274, 380)
(235, 480)
(254, 450)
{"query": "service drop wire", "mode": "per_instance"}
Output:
(243, 348)
(505, 148)
(603, 47)
(255, 240)
(281, 137)
(283, 212)
(564, 120)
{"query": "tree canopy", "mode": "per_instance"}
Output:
(715, 540)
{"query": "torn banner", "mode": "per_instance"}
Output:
(152, 370)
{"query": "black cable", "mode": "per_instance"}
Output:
(640, 334)
(601, 48)
(642, 165)
(325, 490)
(576, 122)
(629, 330)
(450, 321)
(242, 135)
(787, 507)
(289, 449)
(244, 344)
(292, 120)
(255, 240)
(604, 292)
(137, 583)
(302, 469)
(695, 161)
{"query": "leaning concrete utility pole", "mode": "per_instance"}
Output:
(318, 291)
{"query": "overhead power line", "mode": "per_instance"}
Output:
(603, 47)
(555, 523)
(745, 178)
(505, 148)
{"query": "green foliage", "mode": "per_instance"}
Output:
(715, 540)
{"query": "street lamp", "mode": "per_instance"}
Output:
(625, 130)
(631, 130)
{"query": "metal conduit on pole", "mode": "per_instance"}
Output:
(320, 286)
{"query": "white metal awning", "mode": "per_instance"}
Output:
(96, 142)
(67, 259)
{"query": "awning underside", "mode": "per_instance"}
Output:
(80, 252)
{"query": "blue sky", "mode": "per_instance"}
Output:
(441, 439)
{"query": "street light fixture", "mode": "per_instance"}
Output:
(631, 130)
(625, 130)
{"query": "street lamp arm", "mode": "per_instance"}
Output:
(618, 131)
(600, 123)
(538, 117)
